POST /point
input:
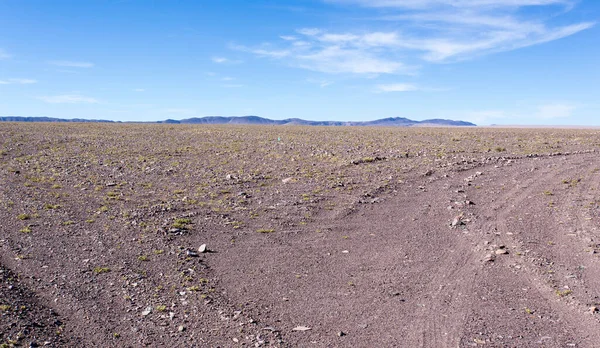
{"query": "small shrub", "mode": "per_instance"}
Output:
(100, 270)
(563, 293)
(182, 223)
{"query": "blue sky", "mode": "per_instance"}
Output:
(485, 61)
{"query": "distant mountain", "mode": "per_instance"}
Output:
(256, 120)
(384, 122)
(47, 119)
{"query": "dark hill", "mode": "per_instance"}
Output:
(256, 120)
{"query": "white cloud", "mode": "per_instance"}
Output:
(335, 60)
(396, 87)
(68, 99)
(72, 64)
(224, 60)
(139, 90)
(555, 110)
(17, 81)
(419, 4)
(227, 78)
(309, 31)
(336, 53)
(261, 51)
(321, 83)
(219, 60)
(437, 31)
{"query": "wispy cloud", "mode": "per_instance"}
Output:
(139, 90)
(17, 81)
(224, 60)
(396, 87)
(72, 64)
(420, 4)
(68, 99)
(263, 51)
(427, 31)
(219, 60)
(322, 83)
(336, 59)
(334, 53)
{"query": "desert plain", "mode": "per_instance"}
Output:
(132, 235)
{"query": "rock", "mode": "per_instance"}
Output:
(202, 248)
(235, 340)
(191, 253)
(286, 180)
(363, 326)
(301, 328)
(457, 221)
(147, 311)
(489, 258)
(501, 251)
(593, 309)
(181, 328)
(229, 177)
(111, 184)
(341, 333)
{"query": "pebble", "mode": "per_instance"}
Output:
(286, 180)
(501, 251)
(301, 328)
(489, 258)
(457, 221)
(181, 328)
(147, 311)
(202, 248)
(341, 333)
(593, 309)
(191, 253)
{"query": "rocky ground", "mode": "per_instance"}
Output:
(221, 236)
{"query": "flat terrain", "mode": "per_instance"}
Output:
(315, 237)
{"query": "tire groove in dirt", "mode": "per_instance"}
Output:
(509, 203)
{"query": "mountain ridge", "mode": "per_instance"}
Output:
(257, 120)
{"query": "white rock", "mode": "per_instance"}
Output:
(301, 328)
(202, 248)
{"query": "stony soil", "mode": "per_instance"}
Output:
(315, 237)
